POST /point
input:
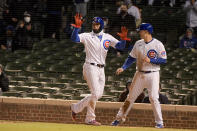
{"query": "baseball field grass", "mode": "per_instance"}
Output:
(38, 126)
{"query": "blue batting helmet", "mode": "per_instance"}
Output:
(98, 20)
(146, 26)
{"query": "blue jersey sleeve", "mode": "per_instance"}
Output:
(158, 61)
(121, 45)
(75, 35)
(129, 61)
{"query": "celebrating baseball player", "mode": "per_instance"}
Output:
(96, 47)
(148, 53)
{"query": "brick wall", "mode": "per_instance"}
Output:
(58, 111)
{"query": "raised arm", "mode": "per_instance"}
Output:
(77, 26)
(123, 36)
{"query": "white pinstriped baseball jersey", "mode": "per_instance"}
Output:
(153, 49)
(96, 49)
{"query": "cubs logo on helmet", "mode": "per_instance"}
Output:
(152, 54)
(163, 53)
(106, 44)
(100, 21)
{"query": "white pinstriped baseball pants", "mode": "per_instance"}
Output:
(95, 78)
(141, 81)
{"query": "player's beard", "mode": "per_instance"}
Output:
(96, 31)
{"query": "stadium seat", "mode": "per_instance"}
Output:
(60, 96)
(37, 95)
(175, 82)
(189, 87)
(108, 98)
(55, 85)
(77, 97)
(58, 69)
(13, 67)
(33, 57)
(14, 82)
(22, 53)
(24, 61)
(24, 89)
(33, 83)
(184, 75)
(167, 88)
(18, 78)
(70, 91)
(36, 68)
(47, 90)
(43, 79)
(193, 82)
(174, 99)
(77, 68)
(13, 94)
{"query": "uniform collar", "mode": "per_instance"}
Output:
(149, 41)
(97, 34)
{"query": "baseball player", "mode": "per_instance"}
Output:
(148, 53)
(96, 47)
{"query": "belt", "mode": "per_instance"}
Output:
(99, 65)
(147, 71)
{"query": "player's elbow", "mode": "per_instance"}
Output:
(75, 36)
(120, 45)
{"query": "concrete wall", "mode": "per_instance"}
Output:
(23, 109)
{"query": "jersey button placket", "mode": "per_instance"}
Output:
(101, 52)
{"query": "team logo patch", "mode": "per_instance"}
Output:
(163, 53)
(152, 54)
(106, 44)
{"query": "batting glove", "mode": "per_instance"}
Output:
(78, 21)
(123, 34)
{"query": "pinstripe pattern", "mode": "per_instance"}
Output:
(95, 78)
(96, 48)
(143, 80)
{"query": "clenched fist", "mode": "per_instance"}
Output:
(146, 59)
(119, 70)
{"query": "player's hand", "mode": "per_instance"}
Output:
(123, 34)
(78, 21)
(119, 70)
(146, 59)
